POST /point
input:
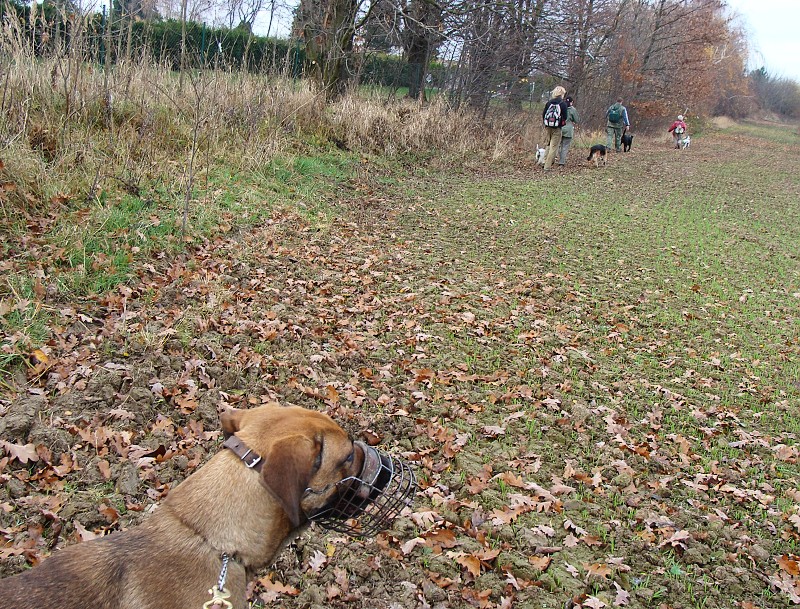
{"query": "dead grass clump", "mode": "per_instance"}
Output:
(722, 122)
(403, 126)
(22, 185)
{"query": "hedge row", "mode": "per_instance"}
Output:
(160, 39)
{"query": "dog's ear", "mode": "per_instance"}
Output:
(231, 421)
(288, 470)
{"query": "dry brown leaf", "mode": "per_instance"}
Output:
(470, 563)
(600, 570)
(83, 533)
(789, 564)
(21, 452)
(274, 589)
(443, 538)
(317, 562)
(623, 597)
(105, 469)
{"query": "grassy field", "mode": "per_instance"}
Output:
(595, 373)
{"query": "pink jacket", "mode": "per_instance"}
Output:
(677, 124)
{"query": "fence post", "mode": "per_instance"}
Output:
(203, 45)
(104, 23)
(296, 62)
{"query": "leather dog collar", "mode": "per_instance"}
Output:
(250, 458)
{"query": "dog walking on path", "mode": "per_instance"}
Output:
(598, 154)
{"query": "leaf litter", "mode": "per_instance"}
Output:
(575, 447)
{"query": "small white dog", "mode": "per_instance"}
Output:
(541, 155)
(686, 142)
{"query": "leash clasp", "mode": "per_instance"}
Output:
(219, 599)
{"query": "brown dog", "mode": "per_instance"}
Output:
(228, 507)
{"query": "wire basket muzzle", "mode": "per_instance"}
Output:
(368, 503)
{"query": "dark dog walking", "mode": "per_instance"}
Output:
(627, 140)
(597, 153)
(279, 468)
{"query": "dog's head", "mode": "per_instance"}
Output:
(316, 472)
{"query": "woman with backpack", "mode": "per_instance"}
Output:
(617, 116)
(554, 116)
(678, 129)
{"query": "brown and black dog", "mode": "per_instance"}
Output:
(598, 154)
(225, 508)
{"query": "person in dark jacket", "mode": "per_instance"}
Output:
(567, 131)
(617, 116)
(554, 116)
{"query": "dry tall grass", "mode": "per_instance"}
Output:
(73, 129)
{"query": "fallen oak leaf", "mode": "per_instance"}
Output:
(109, 513)
(788, 584)
(471, 563)
(83, 533)
(424, 519)
(569, 525)
(591, 540)
(409, 546)
(512, 480)
(617, 562)
(442, 538)
(486, 555)
(273, 590)
(440, 580)
(789, 564)
(316, 562)
(676, 539)
(333, 591)
(572, 570)
(597, 569)
(21, 452)
(493, 431)
(623, 597)
(540, 563)
(476, 485)
(477, 598)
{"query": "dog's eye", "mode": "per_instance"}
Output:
(349, 459)
(318, 461)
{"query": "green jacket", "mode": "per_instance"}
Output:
(568, 130)
(623, 120)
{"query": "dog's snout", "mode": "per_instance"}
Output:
(368, 502)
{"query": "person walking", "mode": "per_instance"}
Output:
(617, 120)
(554, 117)
(567, 131)
(677, 129)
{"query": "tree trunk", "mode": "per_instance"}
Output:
(328, 28)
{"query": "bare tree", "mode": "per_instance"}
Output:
(242, 12)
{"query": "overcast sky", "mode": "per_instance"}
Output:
(774, 29)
